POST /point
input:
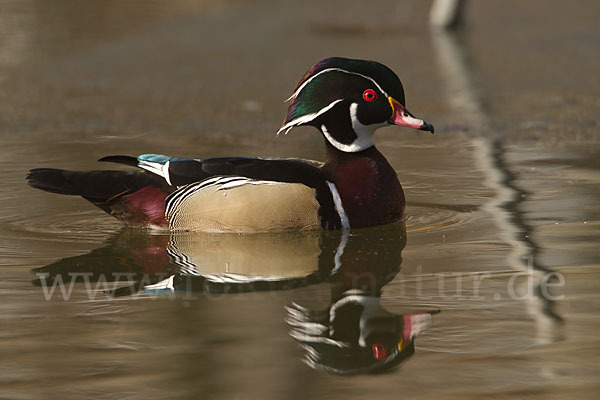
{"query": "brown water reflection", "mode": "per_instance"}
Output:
(512, 173)
(354, 334)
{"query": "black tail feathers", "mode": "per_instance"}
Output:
(53, 180)
(95, 186)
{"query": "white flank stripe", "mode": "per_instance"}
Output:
(338, 205)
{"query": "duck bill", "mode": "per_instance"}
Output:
(401, 116)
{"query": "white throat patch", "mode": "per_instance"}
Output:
(364, 134)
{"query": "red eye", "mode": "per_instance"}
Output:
(369, 95)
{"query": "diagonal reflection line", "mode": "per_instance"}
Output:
(506, 207)
(507, 210)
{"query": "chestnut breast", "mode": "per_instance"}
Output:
(369, 189)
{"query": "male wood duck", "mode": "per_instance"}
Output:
(345, 99)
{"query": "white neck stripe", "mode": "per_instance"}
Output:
(295, 94)
(363, 142)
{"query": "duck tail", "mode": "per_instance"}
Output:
(92, 185)
(136, 197)
(54, 181)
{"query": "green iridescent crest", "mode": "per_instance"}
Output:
(336, 79)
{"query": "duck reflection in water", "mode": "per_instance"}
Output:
(353, 334)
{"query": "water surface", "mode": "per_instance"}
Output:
(502, 222)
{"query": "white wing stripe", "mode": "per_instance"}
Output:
(156, 168)
(165, 171)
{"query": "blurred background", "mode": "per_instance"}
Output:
(513, 171)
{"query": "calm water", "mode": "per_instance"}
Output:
(501, 237)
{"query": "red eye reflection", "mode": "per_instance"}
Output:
(379, 351)
(369, 95)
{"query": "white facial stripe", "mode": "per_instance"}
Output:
(337, 200)
(295, 94)
(361, 143)
(307, 118)
(363, 131)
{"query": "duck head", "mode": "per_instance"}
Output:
(355, 335)
(347, 100)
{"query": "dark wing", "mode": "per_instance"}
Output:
(184, 171)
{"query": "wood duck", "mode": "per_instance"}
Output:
(355, 334)
(345, 99)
